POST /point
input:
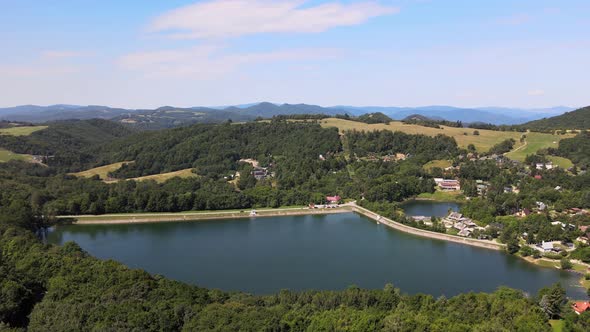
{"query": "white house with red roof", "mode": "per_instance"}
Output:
(333, 199)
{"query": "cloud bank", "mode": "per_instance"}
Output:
(234, 18)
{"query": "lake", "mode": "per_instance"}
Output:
(428, 208)
(264, 255)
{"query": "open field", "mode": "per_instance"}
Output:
(483, 142)
(443, 196)
(101, 171)
(556, 324)
(561, 162)
(535, 142)
(21, 131)
(183, 173)
(437, 163)
(6, 155)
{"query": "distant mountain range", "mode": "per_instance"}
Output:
(494, 115)
(169, 116)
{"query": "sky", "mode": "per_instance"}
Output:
(146, 54)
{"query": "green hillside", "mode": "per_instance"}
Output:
(578, 119)
(66, 141)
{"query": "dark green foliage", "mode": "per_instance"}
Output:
(502, 147)
(577, 149)
(385, 142)
(372, 118)
(215, 149)
(566, 264)
(552, 300)
(578, 119)
(422, 120)
(66, 143)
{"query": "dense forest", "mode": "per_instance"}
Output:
(64, 144)
(578, 119)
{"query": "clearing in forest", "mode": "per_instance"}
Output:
(21, 130)
(101, 171)
(6, 155)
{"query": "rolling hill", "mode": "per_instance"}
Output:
(170, 116)
(578, 119)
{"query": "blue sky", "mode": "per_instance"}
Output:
(139, 54)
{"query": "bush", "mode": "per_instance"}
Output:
(527, 251)
(552, 255)
(566, 264)
(476, 132)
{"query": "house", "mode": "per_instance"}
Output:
(455, 216)
(425, 220)
(548, 165)
(260, 173)
(449, 185)
(581, 306)
(465, 232)
(538, 177)
(333, 199)
(547, 247)
(481, 189)
(541, 206)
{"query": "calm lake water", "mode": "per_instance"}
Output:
(264, 255)
(428, 208)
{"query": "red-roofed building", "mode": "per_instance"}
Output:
(581, 306)
(538, 177)
(333, 199)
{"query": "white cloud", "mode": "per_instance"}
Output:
(536, 92)
(208, 61)
(233, 18)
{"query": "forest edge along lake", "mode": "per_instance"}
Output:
(264, 255)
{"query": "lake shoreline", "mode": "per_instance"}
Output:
(203, 216)
(195, 216)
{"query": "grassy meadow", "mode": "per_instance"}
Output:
(6, 155)
(21, 130)
(464, 136)
(535, 142)
(483, 142)
(101, 171)
(437, 163)
(183, 173)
